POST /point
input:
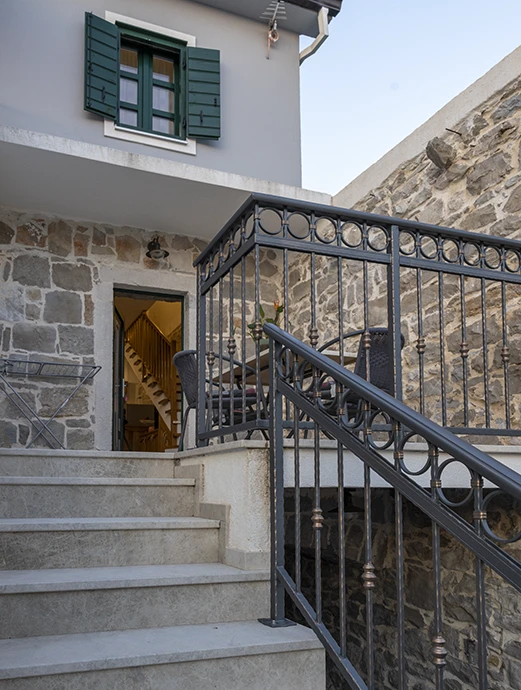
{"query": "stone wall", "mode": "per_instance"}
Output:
(50, 269)
(503, 603)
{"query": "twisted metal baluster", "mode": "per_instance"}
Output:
(420, 343)
(505, 352)
(443, 373)
(485, 352)
(439, 652)
(464, 350)
(479, 516)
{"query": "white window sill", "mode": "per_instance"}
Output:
(117, 132)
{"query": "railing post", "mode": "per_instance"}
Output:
(394, 312)
(201, 360)
(276, 619)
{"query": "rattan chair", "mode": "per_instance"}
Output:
(219, 408)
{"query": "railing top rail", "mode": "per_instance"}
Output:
(333, 212)
(460, 450)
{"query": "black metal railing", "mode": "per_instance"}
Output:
(322, 272)
(469, 517)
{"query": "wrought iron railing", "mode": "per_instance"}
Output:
(451, 294)
(351, 417)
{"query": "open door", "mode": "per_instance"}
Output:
(118, 384)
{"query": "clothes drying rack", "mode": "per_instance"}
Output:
(13, 368)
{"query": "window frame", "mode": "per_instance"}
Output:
(147, 46)
(162, 37)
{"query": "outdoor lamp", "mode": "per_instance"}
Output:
(155, 251)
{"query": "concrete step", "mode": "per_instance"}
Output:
(84, 463)
(64, 497)
(96, 542)
(225, 656)
(67, 601)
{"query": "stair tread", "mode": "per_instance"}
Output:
(89, 524)
(127, 648)
(96, 481)
(71, 579)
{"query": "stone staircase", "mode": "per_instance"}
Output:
(109, 581)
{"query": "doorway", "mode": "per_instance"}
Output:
(148, 331)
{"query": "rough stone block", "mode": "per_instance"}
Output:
(6, 233)
(513, 204)
(62, 307)
(11, 303)
(31, 235)
(81, 245)
(76, 339)
(488, 173)
(34, 338)
(77, 277)
(51, 398)
(32, 270)
(440, 153)
(80, 439)
(32, 312)
(128, 248)
(60, 238)
(8, 434)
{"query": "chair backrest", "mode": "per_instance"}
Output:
(380, 371)
(186, 363)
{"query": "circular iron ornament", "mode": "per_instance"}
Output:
(377, 445)
(407, 243)
(270, 217)
(439, 491)
(237, 237)
(216, 259)
(428, 247)
(298, 229)
(492, 257)
(348, 228)
(512, 261)
(377, 238)
(303, 373)
(489, 531)
(326, 230)
(471, 253)
(450, 250)
(403, 466)
(226, 249)
(249, 226)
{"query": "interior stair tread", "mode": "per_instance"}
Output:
(72, 579)
(126, 648)
(89, 524)
(97, 481)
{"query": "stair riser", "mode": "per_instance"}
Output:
(83, 549)
(62, 613)
(18, 466)
(72, 501)
(302, 670)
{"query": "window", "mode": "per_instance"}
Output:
(151, 83)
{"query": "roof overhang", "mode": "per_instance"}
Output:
(301, 14)
(79, 181)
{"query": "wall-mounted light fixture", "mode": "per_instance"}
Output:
(155, 251)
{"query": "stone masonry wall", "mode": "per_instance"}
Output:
(503, 603)
(49, 268)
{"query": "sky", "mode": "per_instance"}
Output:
(387, 66)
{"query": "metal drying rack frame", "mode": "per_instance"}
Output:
(40, 369)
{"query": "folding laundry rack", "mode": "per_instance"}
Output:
(10, 368)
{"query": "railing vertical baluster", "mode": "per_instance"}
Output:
(231, 346)
(298, 517)
(420, 343)
(481, 618)
(258, 332)
(285, 278)
(317, 518)
(505, 352)
(394, 310)
(341, 550)
(485, 351)
(211, 361)
(243, 322)
(439, 653)
(220, 328)
(464, 350)
(400, 569)
(369, 578)
(443, 373)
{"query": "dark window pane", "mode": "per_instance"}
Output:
(163, 69)
(128, 117)
(162, 125)
(128, 90)
(128, 60)
(163, 99)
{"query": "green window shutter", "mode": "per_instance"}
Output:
(204, 93)
(101, 66)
